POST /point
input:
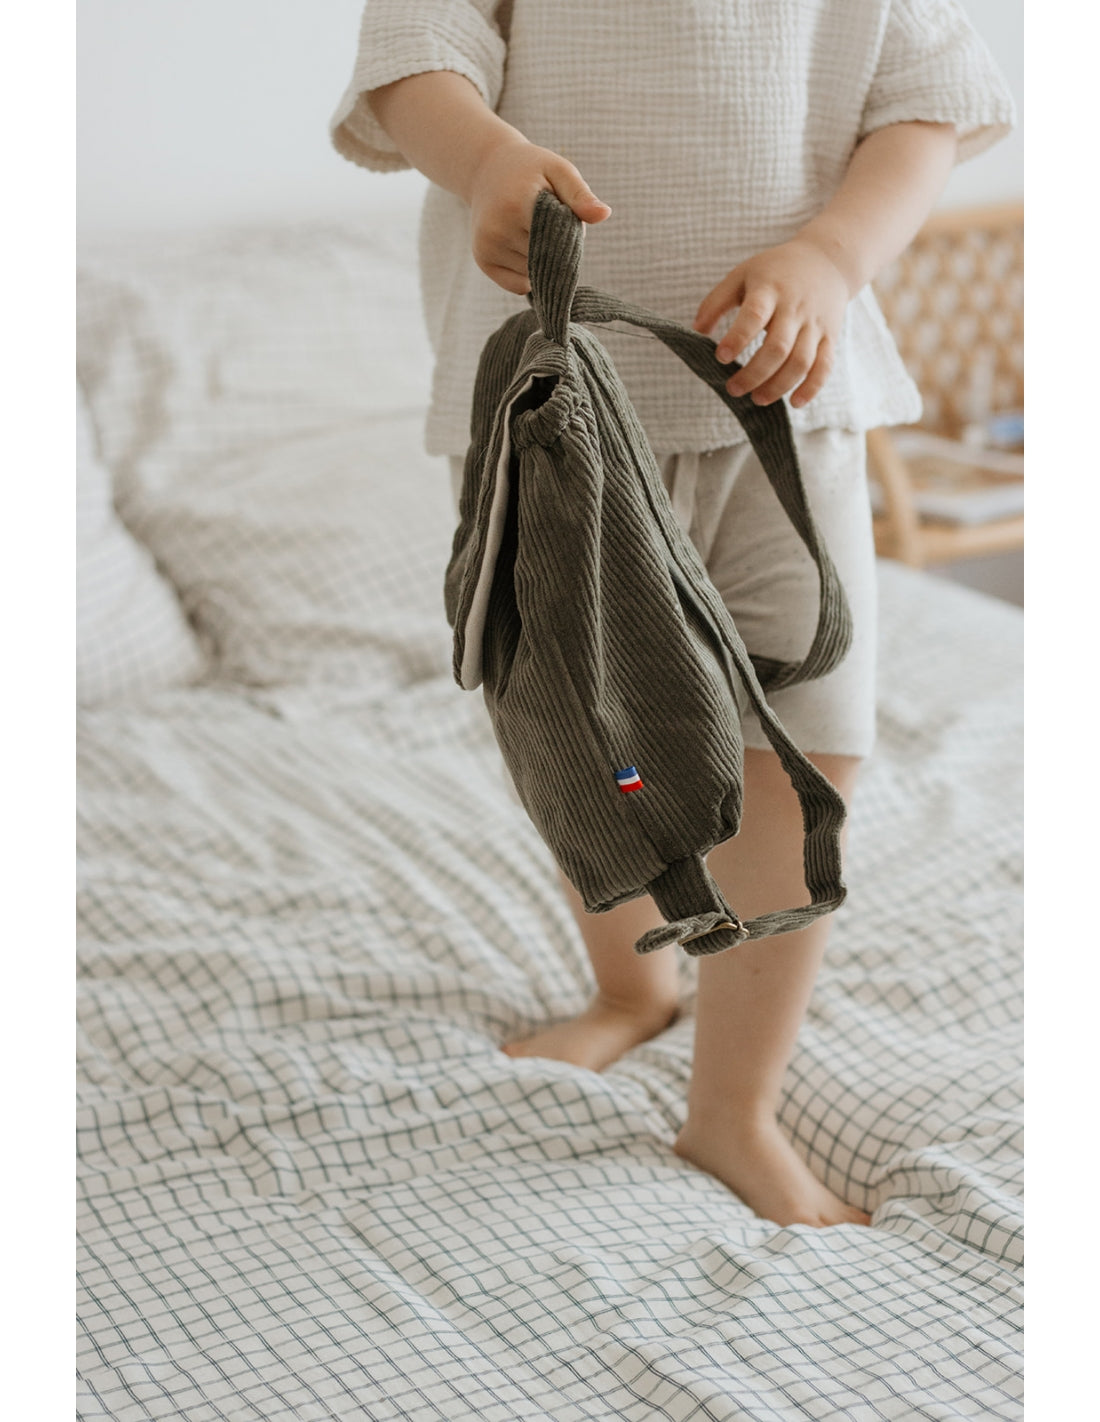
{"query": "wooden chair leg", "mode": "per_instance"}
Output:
(901, 523)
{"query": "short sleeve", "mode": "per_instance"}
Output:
(934, 66)
(402, 37)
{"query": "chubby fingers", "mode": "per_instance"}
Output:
(796, 355)
(787, 354)
(789, 366)
(507, 266)
(783, 360)
(717, 302)
(804, 370)
(797, 351)
(819, 373)
(755, 310)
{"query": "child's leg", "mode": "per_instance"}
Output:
(751, 1002)
(637, 996)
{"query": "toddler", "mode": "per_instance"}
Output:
(760, 160)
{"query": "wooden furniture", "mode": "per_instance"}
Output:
(954, 302)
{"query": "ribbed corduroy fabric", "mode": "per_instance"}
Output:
(612, 670)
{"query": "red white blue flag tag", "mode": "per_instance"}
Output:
(629, 779)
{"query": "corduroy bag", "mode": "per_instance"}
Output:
(612, 671)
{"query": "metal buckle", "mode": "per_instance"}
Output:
(734, 923)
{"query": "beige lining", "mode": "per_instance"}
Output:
(494, 532)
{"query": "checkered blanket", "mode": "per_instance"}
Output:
(312, 1186)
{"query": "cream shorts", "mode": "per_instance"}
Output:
(767, 579)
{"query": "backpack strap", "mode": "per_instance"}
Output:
(768, 428)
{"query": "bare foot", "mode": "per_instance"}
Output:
(599, 1036)
(762, 1168)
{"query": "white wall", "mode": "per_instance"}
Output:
(998, 174)
(196, 111)
(192, 111)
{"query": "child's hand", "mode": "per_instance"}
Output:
(795, 292)
(502, 197)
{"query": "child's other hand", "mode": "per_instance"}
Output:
(502, 199)
(796, 293)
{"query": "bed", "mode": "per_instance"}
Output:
(311, 1185)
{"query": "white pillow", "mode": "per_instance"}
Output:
(317, 559)
(131, 635)
(262, 393)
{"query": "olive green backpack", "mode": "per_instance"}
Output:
(612, 671)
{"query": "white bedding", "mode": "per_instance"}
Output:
(312, 1186)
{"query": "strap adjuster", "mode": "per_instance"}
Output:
(734, 923)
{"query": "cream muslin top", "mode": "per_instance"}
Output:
(713, 129)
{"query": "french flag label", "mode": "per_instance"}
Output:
(628, 779)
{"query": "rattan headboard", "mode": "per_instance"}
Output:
(954, 302)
